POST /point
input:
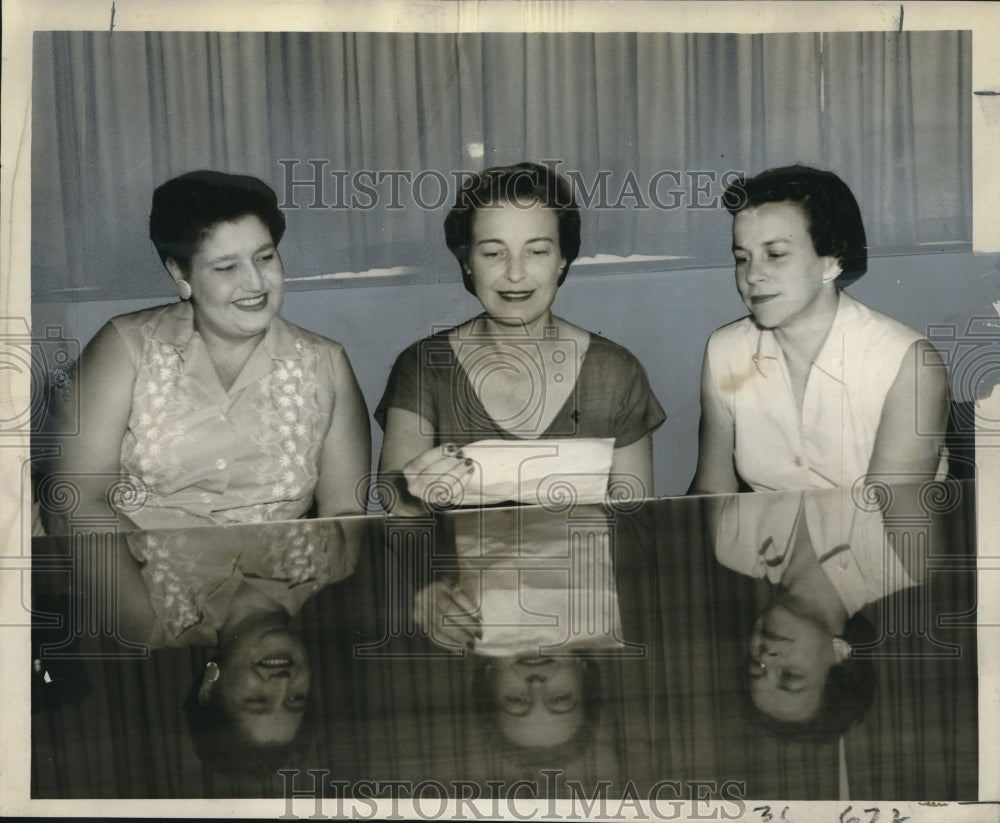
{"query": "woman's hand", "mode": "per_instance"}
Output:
(439, 476)
(447, 614)
(414, 474)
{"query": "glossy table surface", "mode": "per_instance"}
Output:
(647, 649)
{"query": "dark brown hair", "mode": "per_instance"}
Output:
(522, 182)
(186, 208)
(829, 206)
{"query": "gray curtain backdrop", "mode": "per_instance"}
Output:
(648, 117)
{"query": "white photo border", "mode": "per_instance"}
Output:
(23, 17)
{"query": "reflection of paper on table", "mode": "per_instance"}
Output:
(543, 590)
(534, 619)
(539, 471)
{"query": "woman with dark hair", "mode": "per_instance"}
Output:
(217, 408)
(539, 711)
(516, 372)
(246, 712)
(834, 696)
(536, 691)
(239, 591)
(813, 389)
(824, 562)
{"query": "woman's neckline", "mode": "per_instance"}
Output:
(795, 341)
(469, 389)
(229, 373)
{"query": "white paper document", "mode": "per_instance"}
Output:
(542, 472)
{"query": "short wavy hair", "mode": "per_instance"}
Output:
(831, 211)
(847, 695)
(186, 208)
(221, 747)
(485, 703)
(507, 184)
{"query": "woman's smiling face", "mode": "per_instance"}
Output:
(515, 262)
(264, 683)
(540, 700)
(236, 278)
(778, 273)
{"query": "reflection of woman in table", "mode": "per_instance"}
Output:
(532, 605)
(824, 563)
(538, 708)
(516, 372)
(813, 389)
(237, 590)
(254, 695)
(802, 676)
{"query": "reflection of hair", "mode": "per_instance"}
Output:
(830, 209)
(507, 184)
(187, 207)
(847, 694)
(485, 703)
(221, 747)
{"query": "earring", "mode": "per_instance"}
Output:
(207, 682)
(841, 649)
(184, 289)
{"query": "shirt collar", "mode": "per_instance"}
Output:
(176, 328)
(830, 358)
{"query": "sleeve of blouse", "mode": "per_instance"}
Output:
(711, 393)
(640, 412)
(403, 389)
(716, 471)
(131, 337)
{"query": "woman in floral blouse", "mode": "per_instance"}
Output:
(215, 408)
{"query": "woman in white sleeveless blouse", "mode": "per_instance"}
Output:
(813, 389)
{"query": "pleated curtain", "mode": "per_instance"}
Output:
(659, 118)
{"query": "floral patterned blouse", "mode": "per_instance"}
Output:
(202, 454)
(191, 575)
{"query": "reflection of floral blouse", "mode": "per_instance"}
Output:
(206, 455)
(191, 575)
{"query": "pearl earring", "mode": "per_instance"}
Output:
(841, 649)
(184, 289)
(207, 682)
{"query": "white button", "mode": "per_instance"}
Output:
(206, 498)
(220, 464)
